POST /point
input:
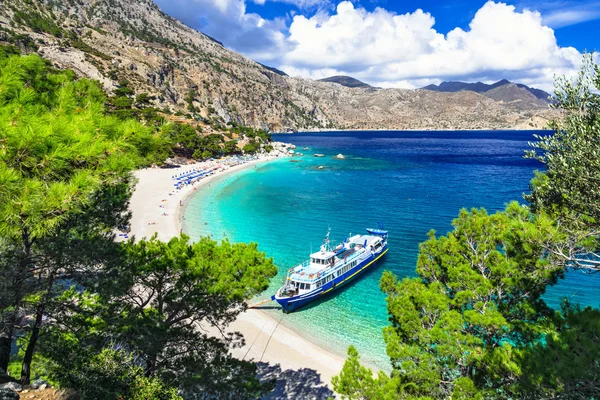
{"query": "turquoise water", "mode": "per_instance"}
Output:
(410, 181)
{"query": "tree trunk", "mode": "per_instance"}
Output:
(35, 333)
(151, 365)
(7, 339)
(5, 346)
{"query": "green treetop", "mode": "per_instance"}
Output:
(569, 187)
(169, 305)
(58, 153)
(473, 324)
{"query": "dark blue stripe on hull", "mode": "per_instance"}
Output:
(293, 303)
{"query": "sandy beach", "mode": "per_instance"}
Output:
(281, 352)
(156, 205)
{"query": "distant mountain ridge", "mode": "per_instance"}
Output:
(480, 87)
(347, 81)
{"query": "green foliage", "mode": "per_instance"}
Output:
(459, 329)
(151, 302)
(258, 134)
(187, 142)
(473, 324)
(123, 102)
(569, 187)
(86, 48)
(249, 148)
(65, 181)
(231, 147)
(37, 22)
(189, 99)
(565, 364)
(477, 300)
(108, 374)
(16, 41)
(179, 285)
(58, 148)
(143, 100)
(61, 161)
(570, 184)
(357, 382)
(7, 51)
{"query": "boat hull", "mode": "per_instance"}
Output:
(290, 304)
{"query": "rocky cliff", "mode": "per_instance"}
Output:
(188, 72)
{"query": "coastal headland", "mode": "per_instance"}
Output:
(156, 208)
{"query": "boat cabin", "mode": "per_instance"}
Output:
(300, 286)
(322, 259)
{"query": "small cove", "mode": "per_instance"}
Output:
(410, 181)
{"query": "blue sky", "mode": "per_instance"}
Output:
(404, 44)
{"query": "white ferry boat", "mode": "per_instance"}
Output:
(330, 268)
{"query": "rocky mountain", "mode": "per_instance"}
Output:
(347, 81)
(503, 91)
(453, 86)
(189, 73)
(516, 95)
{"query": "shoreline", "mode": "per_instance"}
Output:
(157, 208)
(155, 198)
(323, 130)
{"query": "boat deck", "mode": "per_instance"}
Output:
(307, 271)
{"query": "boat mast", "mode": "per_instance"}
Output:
(325, 246)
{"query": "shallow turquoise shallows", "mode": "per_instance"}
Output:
(410, 181)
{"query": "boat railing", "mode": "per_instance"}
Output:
(325, 271)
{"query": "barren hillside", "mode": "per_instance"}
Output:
(190, 73)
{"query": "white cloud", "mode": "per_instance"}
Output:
(354, 38)
(562, 18)
(385, 48)
(228, 22)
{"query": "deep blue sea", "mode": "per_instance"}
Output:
(411, 182)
